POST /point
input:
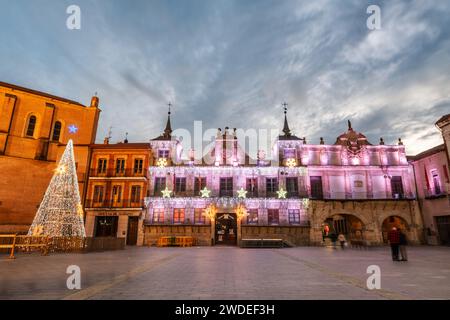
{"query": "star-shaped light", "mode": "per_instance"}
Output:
(205, 192)
(162, 162)
(242, 193)
(281, 193)
(61, 169)
(291, 162)
(73, 128)
(166, 193)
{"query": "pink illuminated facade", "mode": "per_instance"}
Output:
(356, 188)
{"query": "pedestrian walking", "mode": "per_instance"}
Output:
(403, 241)
(394, 241)
(342, 240)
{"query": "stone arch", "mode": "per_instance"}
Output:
(351, 225)
(394, 221)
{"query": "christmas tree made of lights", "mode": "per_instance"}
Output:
(60, 213)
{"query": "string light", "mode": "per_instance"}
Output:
(60, 213)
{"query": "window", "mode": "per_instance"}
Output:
(163, 154)
(199, 184)
(178, 215)
(252, 187)
(138, 165)
(436, 182)
(289, 153)
(31, 125)
(98, 194)
(117, 193)
(273, 216)
(56, 131)
(252, 216)
(160, 184)
(180, 185)
(199, 216)
(106, 226)
(397, 187)
(158, 215)
(292, 187)
(226, 187)
(316, 187)
(271, 186)
(101, 166)
(120, 166)
(135, 194)
(294, 216)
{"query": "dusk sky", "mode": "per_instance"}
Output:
(232, 63)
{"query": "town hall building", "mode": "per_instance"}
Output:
(352, 186)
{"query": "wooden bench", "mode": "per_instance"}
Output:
(262, 243)
(11, 245)
(181, 241)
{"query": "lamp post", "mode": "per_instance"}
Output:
(241, 212)
(211, 212)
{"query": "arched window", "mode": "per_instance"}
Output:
(31, 126)
(56, 131)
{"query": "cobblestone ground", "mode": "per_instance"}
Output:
(229, 273)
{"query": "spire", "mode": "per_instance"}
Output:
(286, 130)
(168, 129)
(349, 125)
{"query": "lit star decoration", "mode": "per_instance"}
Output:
(73, 128)
(242, 193)
(166, 193)
(281, 193)
(205, 192)
(291, 162)
(162, 162)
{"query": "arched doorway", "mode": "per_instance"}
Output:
(226, 229)
(393, 221)
(349, 225)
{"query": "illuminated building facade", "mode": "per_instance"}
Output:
(352, 186)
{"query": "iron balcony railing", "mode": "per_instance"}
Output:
(110, 173)
(111, 204)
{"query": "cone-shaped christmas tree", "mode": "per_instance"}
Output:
(60, 213)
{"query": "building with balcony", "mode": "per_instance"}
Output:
(34, 130)
(352, 186)
(117, 187)
(431, 170)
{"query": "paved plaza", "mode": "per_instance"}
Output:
(229, 273)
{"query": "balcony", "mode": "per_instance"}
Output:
(113, 173)
(434, 194)
(111, 204)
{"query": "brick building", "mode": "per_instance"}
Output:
(118, 180)
(34, 129)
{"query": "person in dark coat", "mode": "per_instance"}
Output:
(333, 237)
(402, 246)
(394, 241)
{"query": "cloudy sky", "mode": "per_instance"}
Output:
(232, 63)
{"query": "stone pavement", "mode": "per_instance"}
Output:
(229, 273)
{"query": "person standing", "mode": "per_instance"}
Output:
(403, 241)
(394, 241)
(333, 238)
(341, 239)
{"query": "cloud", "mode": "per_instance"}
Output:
(232, 63)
